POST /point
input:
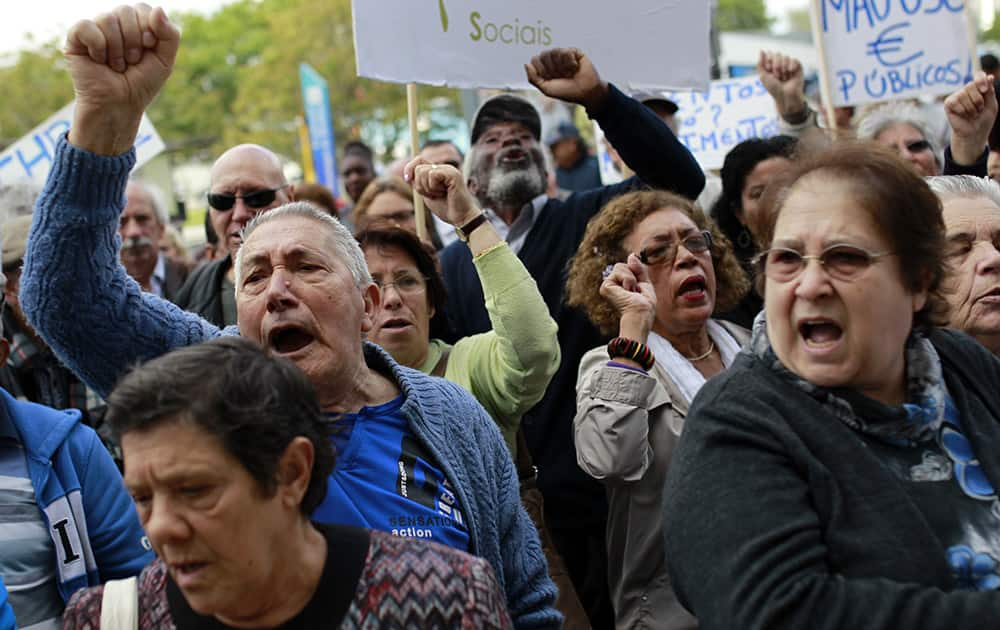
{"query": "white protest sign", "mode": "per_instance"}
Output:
(485, 43)
(879, 50)
(731, 111)
(31, 156)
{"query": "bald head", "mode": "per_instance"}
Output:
(237, 175)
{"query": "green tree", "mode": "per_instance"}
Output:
(35, 86)
(993, 33)
(742, 15)
(799, 20)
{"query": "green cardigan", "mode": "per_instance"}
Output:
(508, 368)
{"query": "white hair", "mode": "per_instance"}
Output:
(17, 199)
(345, 247)
(948, 186)
(874, 121)
(156, 199)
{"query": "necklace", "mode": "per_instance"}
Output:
(702, 357)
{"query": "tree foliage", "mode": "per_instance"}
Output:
(237, 80)
(742, 15)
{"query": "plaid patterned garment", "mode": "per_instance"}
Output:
(404, 584)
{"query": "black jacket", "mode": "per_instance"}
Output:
(202, 293)
(779, 515)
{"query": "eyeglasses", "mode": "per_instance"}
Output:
(405, 284)
(843, 262)
(256, 199)
(665, 253)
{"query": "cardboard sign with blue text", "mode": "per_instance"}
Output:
(31, 156)
(731, 111)
(485, 43)
(880, 50)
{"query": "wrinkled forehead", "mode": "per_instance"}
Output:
(282, 235)
(972, 213)
(505, 127)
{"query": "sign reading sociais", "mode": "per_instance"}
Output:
(31, 156)
(878, 50)
(485, 43)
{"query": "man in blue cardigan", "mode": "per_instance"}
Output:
(417, 456)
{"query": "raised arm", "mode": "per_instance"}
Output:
(644, 141)
(971, 111)
(74, 290)
(508, 368)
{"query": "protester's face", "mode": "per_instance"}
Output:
(402, 325)
(833, 332)
(443, 154)
(755, 184)
(911, 145)
(509, 168)
(207, 518)
(393, 208)
(296, 297)
(357, 173)
(140, 230)
(685, 287)
(993, 165)
(973, 285)
(566, 152)
(242, 171)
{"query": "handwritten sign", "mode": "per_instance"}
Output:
(31, 156)
(878, 50)
(714, 121)
(637, 44)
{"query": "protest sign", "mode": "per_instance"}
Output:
(878, 50)
(316, 98)
(729, 112)
(31, 156)
(485, 43)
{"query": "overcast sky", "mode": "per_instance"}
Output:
(46, 19)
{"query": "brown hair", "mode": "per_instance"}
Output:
(602, 246)
(388, 183)
(902, 205)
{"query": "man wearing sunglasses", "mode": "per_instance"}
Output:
(245, 181)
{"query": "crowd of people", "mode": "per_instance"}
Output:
(556, 404)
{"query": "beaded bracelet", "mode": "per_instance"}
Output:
(624, 348)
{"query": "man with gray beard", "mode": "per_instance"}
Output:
(141, 227)
(506, 172)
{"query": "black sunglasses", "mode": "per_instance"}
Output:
(256, 199)
(918, 146)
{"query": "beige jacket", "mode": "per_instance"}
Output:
(626, 427)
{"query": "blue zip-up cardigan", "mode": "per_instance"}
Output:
(88, 514)
(98, 321)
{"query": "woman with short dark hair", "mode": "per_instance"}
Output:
(226, 455)
(840, 473)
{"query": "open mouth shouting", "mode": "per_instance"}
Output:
(820, 334)
(693, 289)
(288, 339)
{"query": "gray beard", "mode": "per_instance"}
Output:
(514, 188)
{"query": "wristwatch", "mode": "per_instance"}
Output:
(464, 231)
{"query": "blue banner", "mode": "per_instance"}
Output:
(316, 98)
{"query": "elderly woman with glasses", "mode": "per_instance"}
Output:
(651, 270)
(842, 473)
(389, 200)
(508, 368)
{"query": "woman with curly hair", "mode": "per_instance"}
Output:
(651, 268)
(388, 200)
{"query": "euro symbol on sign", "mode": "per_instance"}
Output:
(886, 46)
(444, 16)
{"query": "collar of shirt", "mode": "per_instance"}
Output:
(159, 276)
(8, 432)
(516, 233)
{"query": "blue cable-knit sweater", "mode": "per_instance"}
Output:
(80, 299)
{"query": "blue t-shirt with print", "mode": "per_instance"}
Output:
(385, 479)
